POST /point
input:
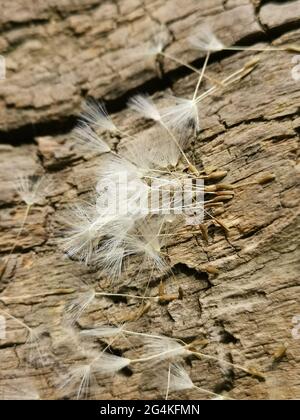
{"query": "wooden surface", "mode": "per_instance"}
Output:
(57, 53)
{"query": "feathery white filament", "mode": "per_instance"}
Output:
(89, 140)
(102, 331)
(77, 307)
(83, 225)
(35, 350)
(143, 105)
(154, 47)
(117, 169)
(94, 113)
(109, 363)
(179, 378)
(79, 376)
(206, 40)
(33, 338)
(181, 115)
(163, 348)
(31, 190)
(154, 151)
(114, 251)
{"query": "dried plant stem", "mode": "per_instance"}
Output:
(194, 353)
(189, 66)
(213, 394)
(201, 76)
(125, 295)
(108, 345)
(229, 80)
(155, 356)
(217, 359)
(140, 334)
(168, 382)
(149, 280)
(16, 320)
(255, 49)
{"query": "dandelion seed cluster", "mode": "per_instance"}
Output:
(120, 221)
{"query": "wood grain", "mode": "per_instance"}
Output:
(58, 53)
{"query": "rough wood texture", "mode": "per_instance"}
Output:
(58, 52)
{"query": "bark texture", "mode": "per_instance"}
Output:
(59, 52)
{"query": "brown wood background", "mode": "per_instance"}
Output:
(60, 51)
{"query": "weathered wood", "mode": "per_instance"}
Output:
(58, 52)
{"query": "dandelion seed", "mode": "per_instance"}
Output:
(32, 190)
(206, 40)
(111, 253)
(150, 232)
(155, 150)
(104, 331)
(32, 340)
(162, 348)
(179, 380)
(152, 257)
